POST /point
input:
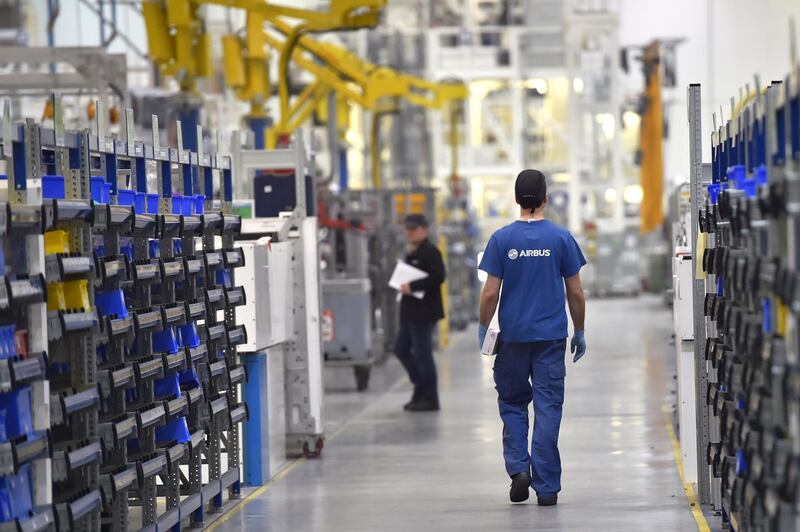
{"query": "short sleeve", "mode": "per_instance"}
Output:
(492, 261)
(572, 259)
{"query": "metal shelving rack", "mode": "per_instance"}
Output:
(750, 215)
(141, 397)
(22, 303)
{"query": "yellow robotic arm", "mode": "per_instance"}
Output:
(180, 46)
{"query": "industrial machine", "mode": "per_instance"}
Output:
(294, 235)
(346, 288)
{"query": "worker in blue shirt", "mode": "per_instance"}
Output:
(532, 259)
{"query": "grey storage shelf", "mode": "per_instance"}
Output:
(113, 444)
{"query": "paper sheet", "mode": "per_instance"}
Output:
(489, 347)
(405, 273)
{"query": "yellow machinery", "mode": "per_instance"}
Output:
(174, 27)
(180, 46)
(651, 143)
(356, 81)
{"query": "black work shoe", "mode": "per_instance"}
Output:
(551, 500)
(422, 406)
(415, 398)
(519, 487)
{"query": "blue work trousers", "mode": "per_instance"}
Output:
(524, 372)
(414, 348)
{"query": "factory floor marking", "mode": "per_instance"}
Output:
(287, 470)
(688, 488)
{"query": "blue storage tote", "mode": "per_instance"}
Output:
(16, 495)
(16, 417)
(175, 431)
(53, 187)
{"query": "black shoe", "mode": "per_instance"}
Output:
(552, 500)
(416, 397)
(422, 406)
(520, 483)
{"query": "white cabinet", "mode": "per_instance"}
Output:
(267, 280)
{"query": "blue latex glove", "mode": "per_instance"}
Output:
(578, 345)
(482, 330)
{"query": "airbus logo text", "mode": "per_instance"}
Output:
(513, 253)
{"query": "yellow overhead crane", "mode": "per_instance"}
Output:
(180, 46)
(354, 80)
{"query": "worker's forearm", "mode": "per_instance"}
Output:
(487, 307)
(577, 310)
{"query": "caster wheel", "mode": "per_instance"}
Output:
(309, 454)
(362, 374)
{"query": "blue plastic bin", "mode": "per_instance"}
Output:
(187, 205)
(111, 302)
(165, 341)
(713, 193)
(155, 248)
(737, 174)
(125, 196)
(199, 203)
(2, 261)
(139, 201)
(167, 387)
(8, 348)
(15, 411)
(189, 379)
(16, 495)
(762, 175)
(177, 246)
(131, 395)
(750, 187)
(102, 353)
(127, 250)
(152, 204)
(98, 189)
(61, 368)
(53, 187)
(175, 431)
(223, 278)
(188, 336)
(177, 204)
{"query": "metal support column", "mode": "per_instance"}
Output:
(697, 193)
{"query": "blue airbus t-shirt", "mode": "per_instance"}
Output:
(532, 258)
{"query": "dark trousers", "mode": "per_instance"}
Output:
(414, 348)
(524, 372)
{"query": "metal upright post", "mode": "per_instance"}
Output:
(697, 185)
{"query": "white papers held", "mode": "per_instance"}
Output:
(490, 343)
(405, 273)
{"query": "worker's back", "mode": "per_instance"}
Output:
(532, 258)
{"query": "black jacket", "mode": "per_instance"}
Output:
(428, 259)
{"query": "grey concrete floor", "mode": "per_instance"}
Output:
(388, 470)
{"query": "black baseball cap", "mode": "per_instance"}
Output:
(416, 220)
(530, 189)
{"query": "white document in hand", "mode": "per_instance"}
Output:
(490, 344)
(405, 273)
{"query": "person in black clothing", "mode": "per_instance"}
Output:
(418, 317)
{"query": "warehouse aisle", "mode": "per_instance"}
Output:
(390, 470)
